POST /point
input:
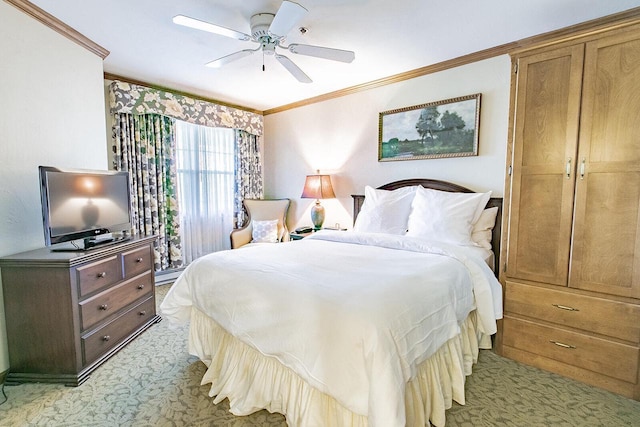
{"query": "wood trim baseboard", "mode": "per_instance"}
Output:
(58, 26)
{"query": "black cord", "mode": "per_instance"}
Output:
(4, 394)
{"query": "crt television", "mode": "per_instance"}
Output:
(84, 204)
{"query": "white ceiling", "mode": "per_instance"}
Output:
(388, 36)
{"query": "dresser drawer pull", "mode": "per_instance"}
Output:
(564, 307)
(140, 286)
(106, 338)
(563, 345)
(101, 275)
(139, 260)
(104, 307)
(143, 313)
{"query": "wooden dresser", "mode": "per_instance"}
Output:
(68, 312)
(572, 201)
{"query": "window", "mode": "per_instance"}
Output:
(205, 168)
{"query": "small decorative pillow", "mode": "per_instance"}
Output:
(265, 231)
(482, 230)
(385, 211)
(444, 216)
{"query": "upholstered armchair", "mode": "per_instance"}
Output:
(264, 212)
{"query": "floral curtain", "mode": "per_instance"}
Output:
(129, 101)
(136, 99)
(248, 172)
(144, 145)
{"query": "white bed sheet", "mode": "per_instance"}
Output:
(353, 314)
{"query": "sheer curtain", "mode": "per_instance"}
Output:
(205, 160)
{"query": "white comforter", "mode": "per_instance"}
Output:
(353, 314)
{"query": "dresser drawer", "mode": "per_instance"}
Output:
(598, 355)
(137, 261)
(98, 342)
(97, 275)
(103, 305)
(606, 317)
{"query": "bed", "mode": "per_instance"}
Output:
(378, 326)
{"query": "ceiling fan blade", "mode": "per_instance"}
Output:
(293, 69)
(322, 52)
(211, 28)
(217, 63)
(286, 18)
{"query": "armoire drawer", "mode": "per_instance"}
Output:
(603, 316)
(595, 354)
(98, 342)
(103, 305)
(137, 261)
(99, 274)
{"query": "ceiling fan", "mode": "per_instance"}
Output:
(269, 31)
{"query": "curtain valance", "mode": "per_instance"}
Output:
(135, 99)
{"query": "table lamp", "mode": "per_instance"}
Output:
(317, 187)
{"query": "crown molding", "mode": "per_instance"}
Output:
(606, 23)
(618, 20)
(58, 26)
(578, 31)
(396, 78)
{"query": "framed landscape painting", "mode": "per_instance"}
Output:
(447, 128)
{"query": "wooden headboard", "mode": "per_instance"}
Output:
(358, 200)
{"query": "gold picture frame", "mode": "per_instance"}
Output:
(441, 129)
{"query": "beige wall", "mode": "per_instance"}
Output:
(340, 137)
(51, 113)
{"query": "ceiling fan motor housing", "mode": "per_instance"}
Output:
(260, 24)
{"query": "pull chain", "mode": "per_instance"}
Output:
(263, 69)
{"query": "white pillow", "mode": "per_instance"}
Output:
(385, 211)
(264, 231)
(482, 230)
(444, 216)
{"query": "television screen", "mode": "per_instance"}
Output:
(83, 204)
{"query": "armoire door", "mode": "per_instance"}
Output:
(544, 160)
(606, 242)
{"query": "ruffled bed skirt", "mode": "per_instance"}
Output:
(252, 381)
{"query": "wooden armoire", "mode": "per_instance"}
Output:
(572, 200)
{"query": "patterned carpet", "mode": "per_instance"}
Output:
(154, 382)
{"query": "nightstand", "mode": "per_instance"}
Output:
(299, 236)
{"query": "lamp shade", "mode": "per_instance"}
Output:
(318, 187)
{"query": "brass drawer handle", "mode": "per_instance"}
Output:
(101, 275)
(143, 313)
(564, 307)
(561, 344)
(139, 260)
(140, 286)
(104, 307)
(106, 338)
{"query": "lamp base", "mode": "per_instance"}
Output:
(317, 215)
